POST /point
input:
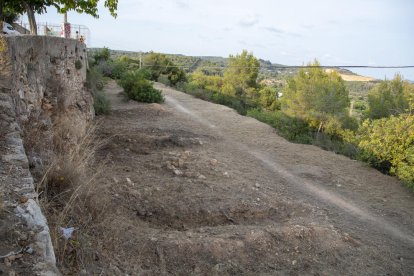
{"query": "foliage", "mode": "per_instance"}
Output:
(95, 83)
(19, 7)
(269, 98)
(360, 105)
(388, 144)
(137, 87)
(315, 96)
(389, 98)
(159, 64)
(209, 82)
(240, 77)
(101, 103)
(78, 64)
(94, 80)
(291, 128)
(102, 55)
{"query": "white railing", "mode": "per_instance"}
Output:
(53, 29)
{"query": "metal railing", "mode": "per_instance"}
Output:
(53, 29)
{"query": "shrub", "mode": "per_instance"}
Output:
(78, 64)
(101, 103)
(388, 145)
(102, 55)
(105, 68)
(138, 88)
(94, 80)
(293, 129)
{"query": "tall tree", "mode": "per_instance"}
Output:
(240, 78)
(389, 98)
(316, 96)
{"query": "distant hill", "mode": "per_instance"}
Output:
(217, 65)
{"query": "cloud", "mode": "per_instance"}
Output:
(249, 21)
(181, 4)
(308, 26)
(281, 32)
(275, 30)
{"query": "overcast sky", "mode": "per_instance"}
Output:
(291, 32)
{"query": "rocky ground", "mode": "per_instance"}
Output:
(192, 188)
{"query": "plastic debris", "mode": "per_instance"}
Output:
(67, 232)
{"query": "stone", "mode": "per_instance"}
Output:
(213, 162)
(202, 177)
(177, 172)
(181, 162)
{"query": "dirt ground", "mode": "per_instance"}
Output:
(193, 188)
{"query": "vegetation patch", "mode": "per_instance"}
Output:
(138, 88)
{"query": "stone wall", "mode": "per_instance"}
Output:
(42, 79)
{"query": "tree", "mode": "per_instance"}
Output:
(240, 77)
(388, 144)
(316, 96)
(159, 64)
(39, 6)
(102, 55)
(269, 98)
(389, 98)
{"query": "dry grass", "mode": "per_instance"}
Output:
(69, 193)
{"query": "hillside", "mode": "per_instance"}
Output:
(216, 65)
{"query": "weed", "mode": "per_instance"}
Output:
(78, 64)
(67, 189)
(101, 103)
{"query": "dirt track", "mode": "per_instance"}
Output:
(196, 189)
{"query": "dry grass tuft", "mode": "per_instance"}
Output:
(69, 193)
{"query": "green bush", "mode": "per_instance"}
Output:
(388, 145)
(101, 103)
(360, 105)
(94, 80)
(78, 64)
(138, 88)
(293, 129)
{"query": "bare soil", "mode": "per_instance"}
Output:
(193, 188)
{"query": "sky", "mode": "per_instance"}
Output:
(290, 32)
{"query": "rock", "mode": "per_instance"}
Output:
(213, 162)
(23, 199)
(129, 181)
(257, 185)
(188, 174)
(177, 172)
(115, 180)
(170, 165)
(226, 174)
(23, 237)
(294, 262)
(180, 162)
(29, 250)
(185, 155)
(202, 177)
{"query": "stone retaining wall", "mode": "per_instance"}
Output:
(41, 79)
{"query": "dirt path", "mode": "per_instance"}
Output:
(197, 189)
